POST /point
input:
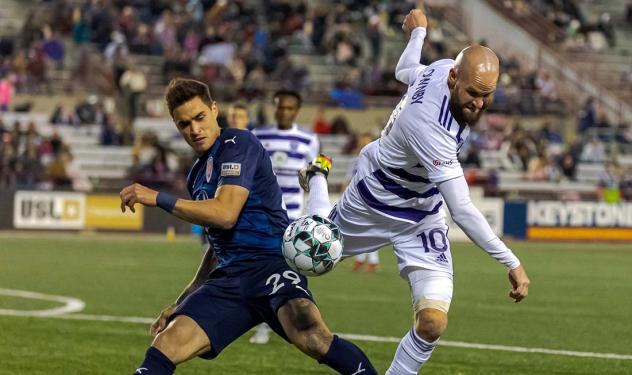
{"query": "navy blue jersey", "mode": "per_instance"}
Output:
(238, 158)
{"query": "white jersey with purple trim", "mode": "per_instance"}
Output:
(290, 150)
(417, 149)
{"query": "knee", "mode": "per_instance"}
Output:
(169, 342)
(179, 342)
(430, 324)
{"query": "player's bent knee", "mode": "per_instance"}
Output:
(430, 323)
(181, 340)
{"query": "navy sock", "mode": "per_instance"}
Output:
(155, 363)
(347, 359)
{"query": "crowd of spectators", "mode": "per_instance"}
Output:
(31, 161)
(542, 154)
(238, 46)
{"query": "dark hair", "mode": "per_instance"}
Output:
(240, 105)
(292, 93)
(181, 90)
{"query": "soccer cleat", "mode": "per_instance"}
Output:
(322, 164)
(262, 334)
(357, 265)
(372, 267)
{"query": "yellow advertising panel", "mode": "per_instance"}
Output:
(568, 233)
(104, 212)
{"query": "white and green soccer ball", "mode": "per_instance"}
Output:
(312, 245)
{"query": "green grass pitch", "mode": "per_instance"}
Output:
(579, 301)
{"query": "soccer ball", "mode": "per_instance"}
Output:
(312, 245)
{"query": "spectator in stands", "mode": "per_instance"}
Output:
(133, 85)
(606, 26)
(6, 92)
(7, 161)
(340, 125)
(320, 125)
(109, 136)
(609, 186)
(29, 169)
(547, 90)
(56, 171)
(587, 116)
(626, 185)
(472, 158)
(567, 165)
(541, 168)
(238, 116)
(594, 151)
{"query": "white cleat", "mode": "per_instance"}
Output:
(262, 335)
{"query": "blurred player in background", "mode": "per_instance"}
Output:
(238, 201)
(403, 179)
(238, 116)
(291, 148)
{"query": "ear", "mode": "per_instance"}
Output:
(452, 75)
(214, 109)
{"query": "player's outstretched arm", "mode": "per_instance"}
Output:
(415, 25)
(220, 212)
(456, 194)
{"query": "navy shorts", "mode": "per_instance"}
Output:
(239, 296)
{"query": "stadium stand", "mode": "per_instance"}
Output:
(542, 138)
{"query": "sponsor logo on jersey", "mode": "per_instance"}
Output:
(230, 169)
(209, 169)
(437, 162)
(442, 258)
(231, 140)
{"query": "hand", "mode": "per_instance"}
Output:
(520, 283)
(416, 18)
(137, 193)
(161, 322)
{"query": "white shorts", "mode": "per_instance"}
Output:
(420, 245)
(423, 252)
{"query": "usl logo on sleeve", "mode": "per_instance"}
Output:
(230, 169)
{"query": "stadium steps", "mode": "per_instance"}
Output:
(12, 14)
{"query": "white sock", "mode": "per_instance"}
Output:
(318, 198)
(411, 354)
(361, 257)
(374, 258)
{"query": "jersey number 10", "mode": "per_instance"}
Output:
(435, 239)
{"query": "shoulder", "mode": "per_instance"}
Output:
(307, 134)
(237, 138)
(267, 129)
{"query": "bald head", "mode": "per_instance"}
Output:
(472, 83)
(478, 65)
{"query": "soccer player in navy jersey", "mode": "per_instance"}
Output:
(237, 199)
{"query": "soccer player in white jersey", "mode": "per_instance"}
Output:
(291, 148)
(405, 178)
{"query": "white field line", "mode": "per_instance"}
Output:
(505, 348)
(71, 305)
(74, 305)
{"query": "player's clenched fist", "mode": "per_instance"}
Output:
(416, 18)
(519, 282)
(137, 193)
